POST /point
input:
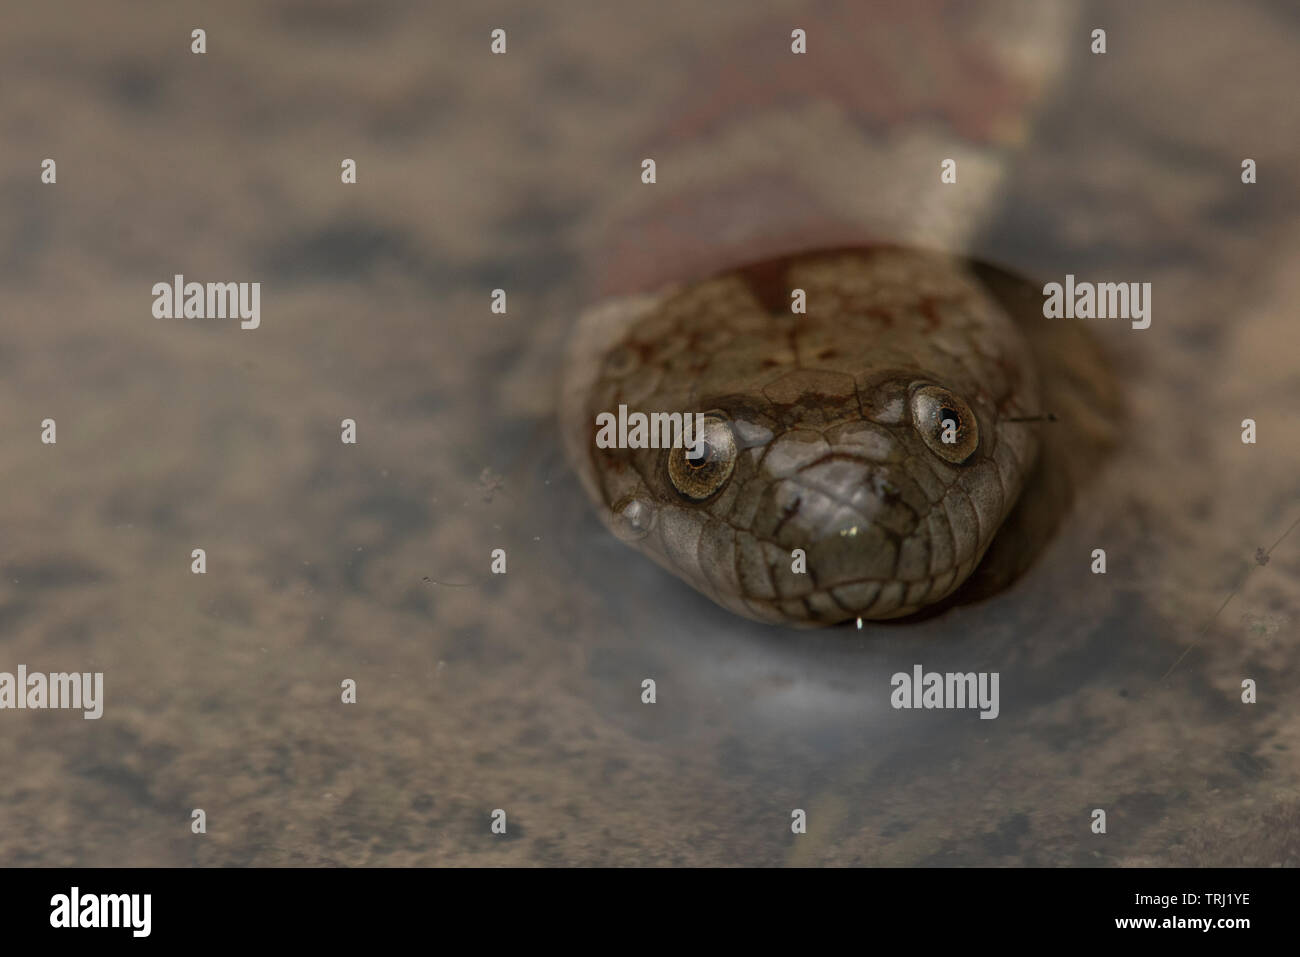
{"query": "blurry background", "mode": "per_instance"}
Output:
(522, 691)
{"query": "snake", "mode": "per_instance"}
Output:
(872, 395)
(859, 454)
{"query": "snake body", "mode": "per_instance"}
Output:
(859, 458)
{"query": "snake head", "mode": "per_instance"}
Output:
(851, 463)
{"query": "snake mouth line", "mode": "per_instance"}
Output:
(864, 598)
(826, 596)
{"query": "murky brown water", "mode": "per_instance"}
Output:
(522, 691)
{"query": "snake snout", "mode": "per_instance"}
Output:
(876, 546)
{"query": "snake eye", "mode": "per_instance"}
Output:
(946, 423)
(704, 475)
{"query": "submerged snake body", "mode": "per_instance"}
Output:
(825, 432)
